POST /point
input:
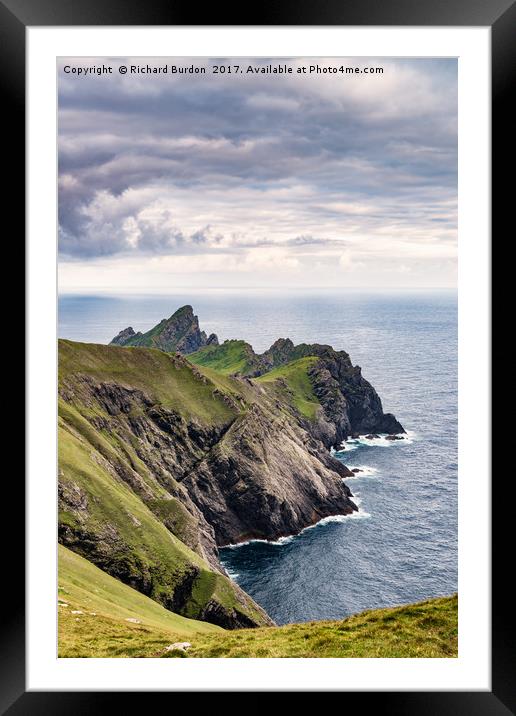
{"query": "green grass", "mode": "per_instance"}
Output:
(102, 629)
(138, 546)
(153, 338)
(114, 450)
(290, 382)
(130, 525)
(424, 630)
(293, 385)
(229, 358)
(169, 381)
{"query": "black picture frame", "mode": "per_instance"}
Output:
(500, 15)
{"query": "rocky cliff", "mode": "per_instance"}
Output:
(349, 405)
(180, 333)
(267, 477)
(132, 424)
(164, 458)
(161, 463)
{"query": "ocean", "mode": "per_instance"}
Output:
(402, 545)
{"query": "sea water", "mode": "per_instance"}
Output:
(402, 544)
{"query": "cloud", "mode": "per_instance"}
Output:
(289, 167)
(264, 101)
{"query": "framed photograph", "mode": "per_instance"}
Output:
(258, 366)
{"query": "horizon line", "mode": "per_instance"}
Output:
(165, 292)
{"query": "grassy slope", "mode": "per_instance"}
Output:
(426, 629)
(102, 630)
(228, 358)
(157, 373)
(290, 382)
(299, 390)
(144, 546)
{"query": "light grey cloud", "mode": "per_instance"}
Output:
(236, 165)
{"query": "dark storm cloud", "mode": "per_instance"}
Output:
(128, 144)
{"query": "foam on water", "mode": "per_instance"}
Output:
(273, 543)
(381, 441)
(361, 514)
(232, 574)
(365, 471)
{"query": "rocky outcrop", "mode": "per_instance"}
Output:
(267, 478)
(179, 333)
(282, 351)
(351, 406)
(349, 403)
(124, 337)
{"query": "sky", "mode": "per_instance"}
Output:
(257, 180)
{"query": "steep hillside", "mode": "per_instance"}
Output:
(161, 461)
(319, 382)
(229, 358)
(293, 385)
(124, 445)
(98, 616)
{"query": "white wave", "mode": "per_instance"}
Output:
(232, 575)
(360, 515)
(380, 441)
(346, 447)
(365, 471)
(275, 543)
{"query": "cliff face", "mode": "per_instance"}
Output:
(163, 459)
(180, 333)
(266, 478)
(348, 403)
(160, 464)
(132, 424)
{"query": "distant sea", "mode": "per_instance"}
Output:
(402, 545)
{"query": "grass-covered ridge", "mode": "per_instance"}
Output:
(293, 385)
(289, 382)
(230, 357)
(166, 378)
(113, 619)
(427, 629)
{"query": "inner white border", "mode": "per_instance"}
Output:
(471, 671)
